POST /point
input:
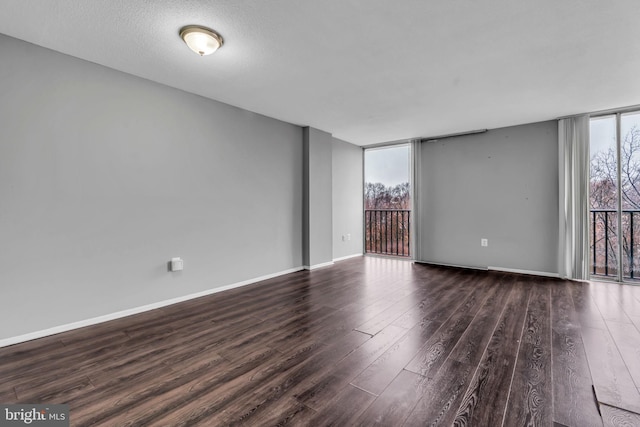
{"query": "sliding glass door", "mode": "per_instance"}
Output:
(387, 201)
(615, 196)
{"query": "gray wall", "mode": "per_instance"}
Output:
(501, 185)
(317, 228)
(347, 199)
(104, 177)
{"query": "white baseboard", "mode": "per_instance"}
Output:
(100, 319)
(506, 270)
(589, 281)
(347, 257)
(442, 264)
(529, 272)
(316, 266)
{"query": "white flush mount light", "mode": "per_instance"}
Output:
(201, 40)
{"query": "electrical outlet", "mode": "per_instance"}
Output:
(484, 242)
(348, 236)
(176, 264)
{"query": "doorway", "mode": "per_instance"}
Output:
(387, 200)
(614, 196)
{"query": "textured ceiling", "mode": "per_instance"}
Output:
(367, 71)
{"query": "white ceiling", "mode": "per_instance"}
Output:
(367, 71)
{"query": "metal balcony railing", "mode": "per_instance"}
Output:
(604, 242)
(387, 231)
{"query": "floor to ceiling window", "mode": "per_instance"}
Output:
(387, 200)
(615, 196)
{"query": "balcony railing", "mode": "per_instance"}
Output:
(387, 231)
(604, 243)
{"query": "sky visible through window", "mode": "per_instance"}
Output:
(387, 165)
(603, 131)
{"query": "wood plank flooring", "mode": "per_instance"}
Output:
(369, 341)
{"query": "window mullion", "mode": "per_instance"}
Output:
(619, 196)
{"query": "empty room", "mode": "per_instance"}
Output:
(319, 213)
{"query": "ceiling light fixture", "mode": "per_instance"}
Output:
(201, 40)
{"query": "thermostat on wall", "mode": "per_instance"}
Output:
(177, 264)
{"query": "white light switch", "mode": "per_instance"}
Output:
(484, 242)
(177, 264)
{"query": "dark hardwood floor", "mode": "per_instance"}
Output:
(369, 341)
